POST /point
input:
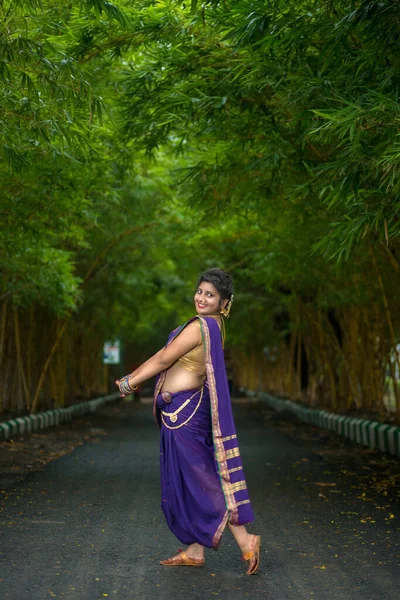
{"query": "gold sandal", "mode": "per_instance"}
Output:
(183, 560)
(253, 556)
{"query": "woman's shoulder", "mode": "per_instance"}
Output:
(197, 322)
(192, 324)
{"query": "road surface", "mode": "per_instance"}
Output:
(88, 526)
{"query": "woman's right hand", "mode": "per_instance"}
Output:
(125, 386)
(117, 381)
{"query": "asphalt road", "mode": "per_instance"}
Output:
(88, 526)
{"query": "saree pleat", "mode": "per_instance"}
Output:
(202, 478)
(192, 499)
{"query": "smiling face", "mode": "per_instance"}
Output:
(207, 300)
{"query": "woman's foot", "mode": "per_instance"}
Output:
(251, 553)
(192, 557)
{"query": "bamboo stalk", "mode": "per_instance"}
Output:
(352, 336)
(391, 328)
(326, 362)
(47, 364)
(87, 278)
(20, 363)
(62, 374)
(289, 373)
(57, 372)
(4, 296)
(382, 354)
(2, 345)
(284, 371)
(298, 363)
(393, 260)
(53, 384)
(341, 356)
(3, 328)
(29, 348)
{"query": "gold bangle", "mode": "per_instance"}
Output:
(125, 387)
(132, 387)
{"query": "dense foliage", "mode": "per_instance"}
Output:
(144, 141)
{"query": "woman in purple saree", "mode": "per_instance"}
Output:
(202, 481)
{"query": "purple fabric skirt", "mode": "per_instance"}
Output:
(193, 502)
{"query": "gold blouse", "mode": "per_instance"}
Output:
(194, 359)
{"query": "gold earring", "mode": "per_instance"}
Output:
(225, 311)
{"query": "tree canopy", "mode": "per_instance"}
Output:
(143, 142)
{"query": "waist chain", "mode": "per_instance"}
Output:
(173, 416)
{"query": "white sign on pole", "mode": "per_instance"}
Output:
(111, 353)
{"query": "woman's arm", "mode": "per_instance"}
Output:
(188, 339)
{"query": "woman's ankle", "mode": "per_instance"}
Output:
(195, 551)
(247, 545)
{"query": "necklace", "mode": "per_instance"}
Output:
(173, 416)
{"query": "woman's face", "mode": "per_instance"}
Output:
(207, 300)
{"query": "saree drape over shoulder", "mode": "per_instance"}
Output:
(202, 479)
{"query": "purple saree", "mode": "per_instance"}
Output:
(202, 480)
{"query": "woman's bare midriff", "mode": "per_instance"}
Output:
(179, 379)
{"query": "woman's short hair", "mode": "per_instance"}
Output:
(220, 279)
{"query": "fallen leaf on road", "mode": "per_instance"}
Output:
(324, 484)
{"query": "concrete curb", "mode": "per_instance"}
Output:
(379, 436)
(50, 418)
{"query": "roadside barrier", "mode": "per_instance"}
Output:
(50, 418)
(375, 435)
